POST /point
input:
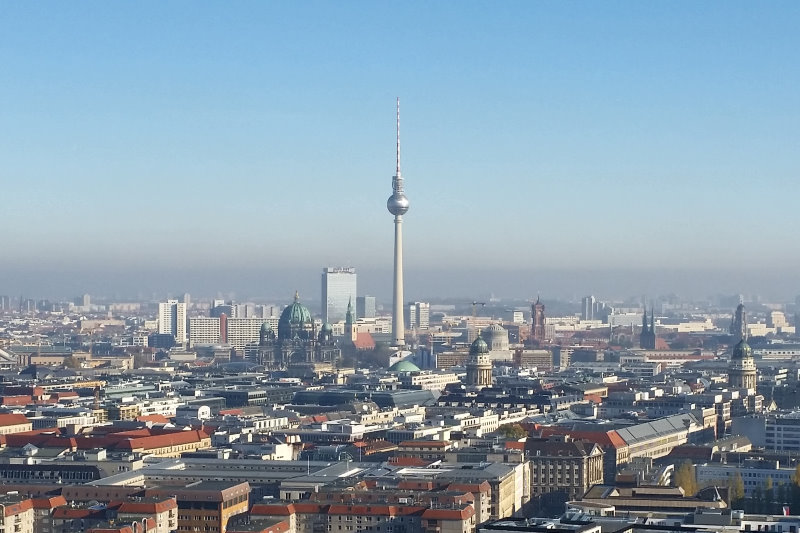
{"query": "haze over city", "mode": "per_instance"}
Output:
(570, 148)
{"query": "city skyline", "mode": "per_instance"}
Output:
(548, 143)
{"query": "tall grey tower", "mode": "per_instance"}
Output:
(398, 206)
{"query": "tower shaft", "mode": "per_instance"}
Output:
(398, 319)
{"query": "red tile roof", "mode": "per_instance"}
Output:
(157, 419)
(449, 514)
(13, 509)
(13, 420)
(49, 502)
(364, 341)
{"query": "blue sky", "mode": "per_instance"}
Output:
(192, 137)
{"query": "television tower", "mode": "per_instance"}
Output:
(397, 204)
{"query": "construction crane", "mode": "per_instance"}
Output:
(475, 308)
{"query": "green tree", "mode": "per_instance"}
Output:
(685, 478)
(512, 431)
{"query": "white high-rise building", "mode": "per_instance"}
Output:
(419, 315)
(172, 319)
(338, 290)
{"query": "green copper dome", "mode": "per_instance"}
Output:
(479, 346)
(404, 366)
(294, 319)
(742, 351)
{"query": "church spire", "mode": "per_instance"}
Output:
(348, 317)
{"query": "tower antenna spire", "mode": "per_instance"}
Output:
(398, 136)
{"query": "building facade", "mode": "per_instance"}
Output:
(172, 319)
(338, 289)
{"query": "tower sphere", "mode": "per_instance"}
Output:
(397, 204)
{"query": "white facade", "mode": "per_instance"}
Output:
(753, 476)
(338, 290)
(243, 331)
(419, 315)
(240, 331)
(172, 319)
(783, 432)
(204, 330)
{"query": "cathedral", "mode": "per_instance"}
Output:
(298, 345)
(647, 339)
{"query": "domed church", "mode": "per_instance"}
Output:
(297, 345)
(479, 365)
(742, 372)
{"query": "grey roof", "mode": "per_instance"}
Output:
(662, 426)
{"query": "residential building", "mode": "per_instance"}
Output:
(205, 505)
(172, 319)
(419, 316)
(14, 423)
(16, 514)
(162, 510)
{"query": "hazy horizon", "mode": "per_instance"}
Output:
(278, 285)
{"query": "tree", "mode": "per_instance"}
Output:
(685, 479)
(512, 431)
(782, 497)
(736, 491)
(769, 495)
(758, 499)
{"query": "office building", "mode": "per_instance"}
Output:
(366, 307)
(5, 303)
(563, 469)
(172, 319)
(782, 432)
(338, 289)
(588, 304)
(419, 315)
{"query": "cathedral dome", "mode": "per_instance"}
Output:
(325, 332)
(478, 346)
(742, 351)
(294, 319)
(404, 366)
